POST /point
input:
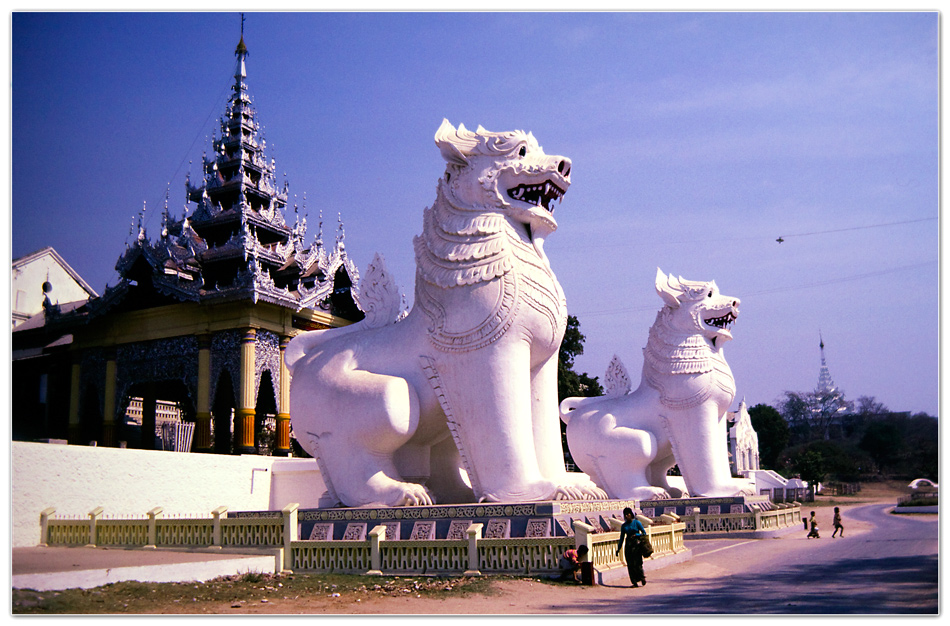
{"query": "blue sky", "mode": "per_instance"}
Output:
(697, 140)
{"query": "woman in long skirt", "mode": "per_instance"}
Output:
(631, 530)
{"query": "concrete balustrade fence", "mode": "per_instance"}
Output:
(475, 555)
(786, 515)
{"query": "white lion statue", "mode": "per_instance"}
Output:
(457, 401)
(626, 441)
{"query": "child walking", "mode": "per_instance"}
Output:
(837, 523)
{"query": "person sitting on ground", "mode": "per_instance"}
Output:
(570, 563)
(814, 527)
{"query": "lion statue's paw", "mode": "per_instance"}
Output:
(389, 492)
(415, 495)
(649, 492)
(578, 486)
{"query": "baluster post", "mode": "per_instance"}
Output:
(94, 516)
(289, 514)
(376, 537)
(474, 533)
(218, 514)
(45, 514)
(582, 536)
(153, 527)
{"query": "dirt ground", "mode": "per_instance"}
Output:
(366, 595)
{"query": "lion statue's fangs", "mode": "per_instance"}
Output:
(628, 440)
(455, 402)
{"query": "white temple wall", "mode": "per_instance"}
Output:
(76, 479)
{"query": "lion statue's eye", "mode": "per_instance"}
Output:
(709, 295)
(523, 151)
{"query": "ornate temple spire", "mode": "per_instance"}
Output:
(232, 242)
(825, 384)
(241, 53)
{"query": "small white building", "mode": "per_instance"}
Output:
(743, 442)
(40, 275)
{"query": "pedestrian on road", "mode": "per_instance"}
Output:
(631, 531)
(814, 527)
(837, 523)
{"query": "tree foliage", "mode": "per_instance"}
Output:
(772, 431)
(814, 414)
(570, 383)
(862, 439)
(882, 440)
(810, 465)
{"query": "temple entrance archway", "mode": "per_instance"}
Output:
(265, 420)
(148, 405)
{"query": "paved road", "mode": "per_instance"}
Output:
(885, 564)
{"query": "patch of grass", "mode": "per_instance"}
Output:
(239, 591)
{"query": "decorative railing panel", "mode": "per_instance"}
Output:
(348, 557)
(184, 532)
(521, 554)
(69, 532)
(441, 555)
(252, 532)
(119, 532)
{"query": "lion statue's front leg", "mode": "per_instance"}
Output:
(356, 457)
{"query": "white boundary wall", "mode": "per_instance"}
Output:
(76, 479)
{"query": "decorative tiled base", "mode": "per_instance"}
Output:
(705, 506)
(516, 519)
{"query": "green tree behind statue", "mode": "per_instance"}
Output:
(570, 383)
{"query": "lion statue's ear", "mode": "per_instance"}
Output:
(668, 288)
(452, 143)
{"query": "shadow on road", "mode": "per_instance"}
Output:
(852, 586)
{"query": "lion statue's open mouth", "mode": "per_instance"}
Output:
(724, 321)
(542, 195)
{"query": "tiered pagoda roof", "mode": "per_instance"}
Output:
(235, 244)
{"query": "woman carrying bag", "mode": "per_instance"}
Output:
(632, 530)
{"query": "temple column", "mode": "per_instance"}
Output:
(244, 415)
(149, 409)
(108, 402)
(74, 427)
(203, 412)
(282, 447)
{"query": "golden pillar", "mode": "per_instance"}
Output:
(108, 403)
(75, 430)
(203, 412)
(244, 415)
(283, 410)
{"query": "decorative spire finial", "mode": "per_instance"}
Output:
(241, 48)
(240, 52)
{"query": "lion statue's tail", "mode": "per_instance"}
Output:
(304, 343)
(569, 405)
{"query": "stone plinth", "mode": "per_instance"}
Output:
(707, 506)
(520, 519)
